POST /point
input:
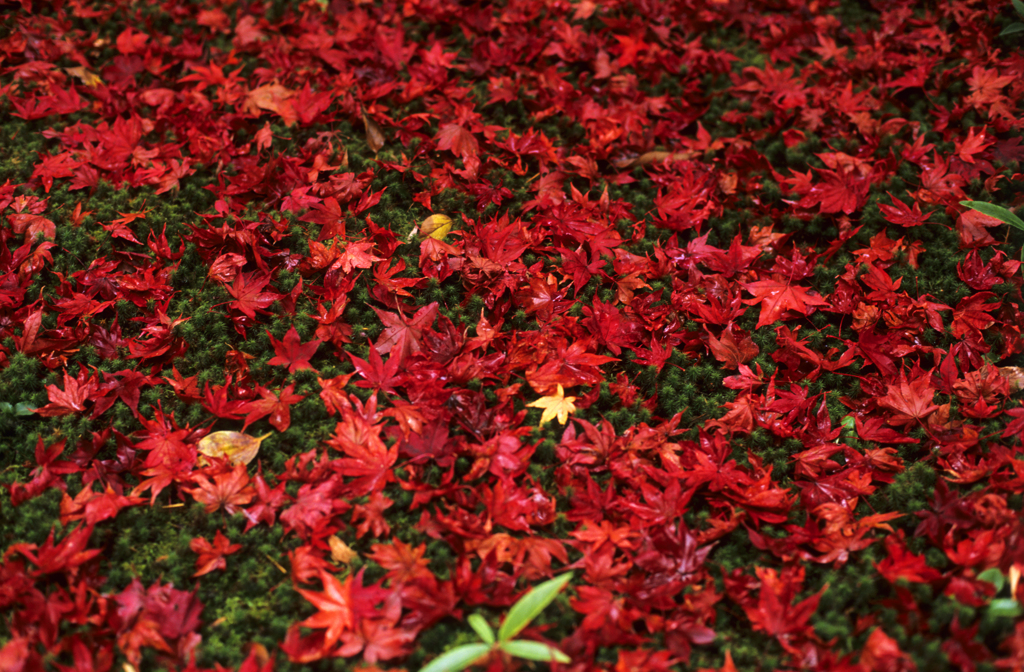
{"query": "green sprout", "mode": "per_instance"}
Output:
(1016, 26)
(1000, 607)
(991, 209)
(519, 616)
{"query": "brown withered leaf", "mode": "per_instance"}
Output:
(648, 158)
(340, 551)
(374, 134)
(238, 448)
(1014, 375)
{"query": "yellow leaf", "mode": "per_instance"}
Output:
(556, 405)
(340, 551)
(87, 77)
(237, 447)
(436, 227)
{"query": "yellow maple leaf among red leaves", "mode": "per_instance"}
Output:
(556, 405)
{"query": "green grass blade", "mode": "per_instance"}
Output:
(529, 605)
(480, 626)
(458, 658)
(997, 211)
(544, 653)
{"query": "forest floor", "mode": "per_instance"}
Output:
(327, 325)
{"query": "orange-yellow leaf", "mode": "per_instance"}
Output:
(340, 551)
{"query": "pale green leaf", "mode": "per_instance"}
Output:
(994, 576)
(530, 605)
(1019, 6)
(1005, 607)
(480, 626)
(997, 211)
(545, 653)
(1012, 29)
(458, 658)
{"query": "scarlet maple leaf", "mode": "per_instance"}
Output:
(356, 255)
(903, 214)
(774, 612)
(219, 488)
(458, 140)
(911, 400)
(376, 374)
(777, 295)
(277, 406)
(335, 605)
(72, 398)
(369, 459)
(402, 335)
(211, 556)
(249, 295)
(292, 352)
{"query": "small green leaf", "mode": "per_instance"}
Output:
(1012, 29)
(994, 576)
(849, 424)
(458, 658)
(545, 653)
(480, 626)
(1019, 6)
(997, 211)
(529, 605)
(1005, 607)
(22, 408)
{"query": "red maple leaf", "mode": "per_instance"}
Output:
(376, 374)
(458, 140)
(903, 214)
(222, 488)
(774, 612)
(910, 400)
(211, 556)
(402, 335)
(369, 459)
(72, 398)
(292, 352)
(277, 406)
(335, 605)
(249, 295)
(778, 295)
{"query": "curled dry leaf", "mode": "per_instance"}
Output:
(648, 158)
(1014, 375)
(374, 134)
(340, 551)
(238, 448)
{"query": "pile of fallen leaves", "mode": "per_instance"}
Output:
(326, 325)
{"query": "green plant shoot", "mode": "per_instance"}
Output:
(519, 616)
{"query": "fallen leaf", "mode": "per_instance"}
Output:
(648, 158)
(1015, 376)
(238, 448)
(374, 134)
(340, 551)
(555, 405)
(435, 226)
